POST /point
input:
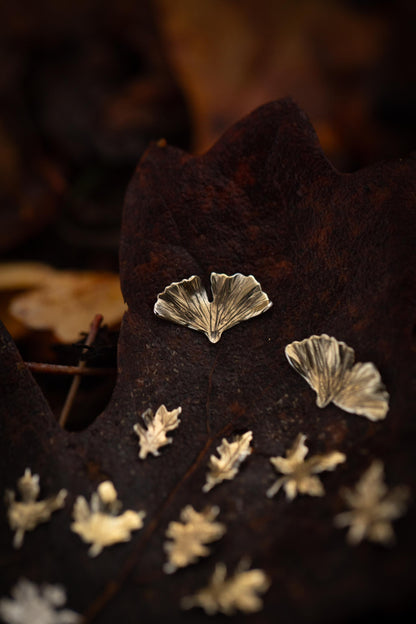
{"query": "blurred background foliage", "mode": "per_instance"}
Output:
(85, 86)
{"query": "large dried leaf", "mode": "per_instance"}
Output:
(335, 254)
(64, 301)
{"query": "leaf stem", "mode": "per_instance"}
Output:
(60, 369)
(95, 326)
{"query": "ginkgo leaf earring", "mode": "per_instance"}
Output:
(328, 366)
(235, 298)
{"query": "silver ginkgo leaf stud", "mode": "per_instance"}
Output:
(235, 298)
(328, 366)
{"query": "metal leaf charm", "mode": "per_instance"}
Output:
(37, 605)
(98, 522)
(232, 454)
(300, 473)
(25, 515)
(229, 594)
(152, 436)
(328, 366)
(235, 298)
(188, 538)
(373, 507)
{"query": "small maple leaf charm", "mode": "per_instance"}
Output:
(328, 366)
(190, 536)
(373, 507)
(226, 466)
(229, 595)
(99, 524)
(25, 515)
(300, 473)
(235, 298)
(37, 605)
(153, 435)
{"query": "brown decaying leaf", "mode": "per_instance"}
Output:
(62, 301)
(265, 202)
(238, 592)
(373, 507)
(226, 466)
(153, 435)
(187, 538)
(300, 473)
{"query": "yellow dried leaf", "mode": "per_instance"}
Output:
(24, 275)
(226, 466)
(68, 300)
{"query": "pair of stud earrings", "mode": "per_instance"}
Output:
(326, 363)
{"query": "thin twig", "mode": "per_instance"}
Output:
(61, 369)
(95, 326)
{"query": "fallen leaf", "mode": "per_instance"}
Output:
(24, 275)
(66, 301)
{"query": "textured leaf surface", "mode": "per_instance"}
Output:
(334, 253)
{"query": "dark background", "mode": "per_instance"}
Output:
(85, 86)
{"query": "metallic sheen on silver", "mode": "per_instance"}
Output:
(235, 298)
(328, 366)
